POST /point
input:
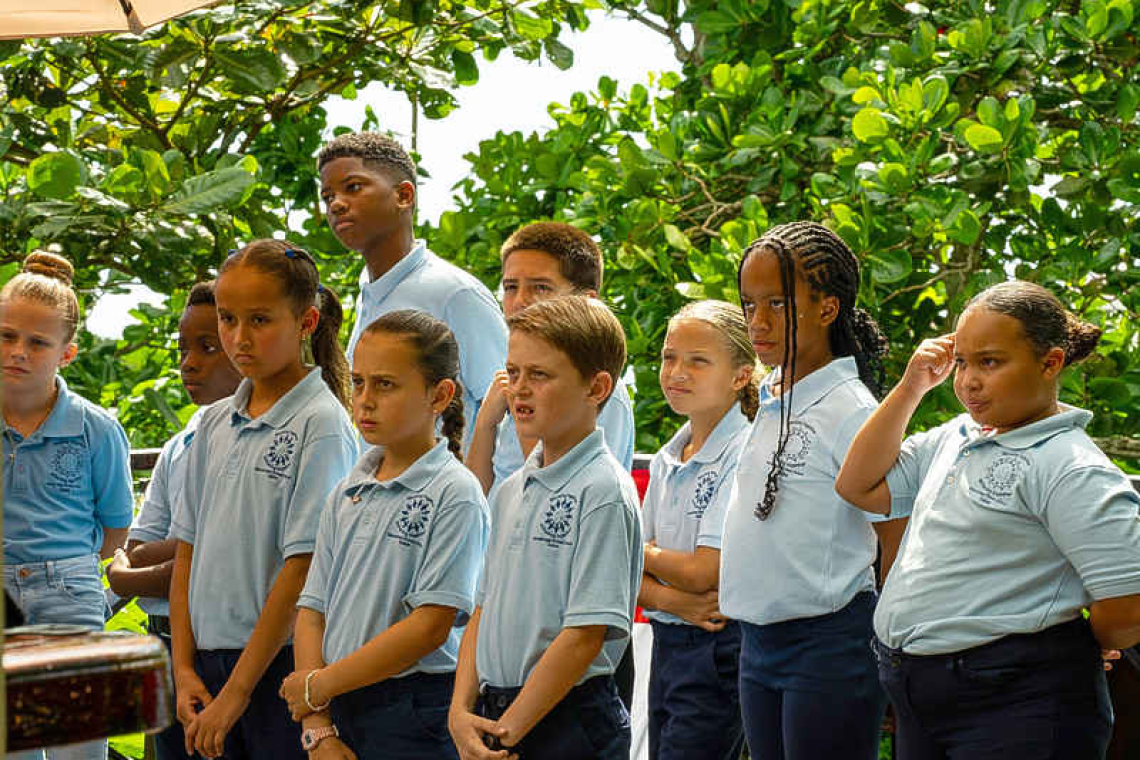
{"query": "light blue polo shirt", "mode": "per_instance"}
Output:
(421, 280)
(152, 523)
(252, 497)
(565, 552)
(1010, 533)
(387, 547)
(65, 482)
(685, 502)
(815, 551)
(615, 420)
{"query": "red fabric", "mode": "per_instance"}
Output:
(641, 480)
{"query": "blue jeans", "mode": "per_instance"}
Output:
(694, 693)
(60, 591)
(590, 723)
(809, 687)
(400, 718)
(1040, 696)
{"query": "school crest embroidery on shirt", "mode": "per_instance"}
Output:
(703, 493)
(412, 522)
(279, 455)
(66, 468)
(558, 520)
(1000, 479)
(801, 438)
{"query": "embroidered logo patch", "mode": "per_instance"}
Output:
(279, 455)
(413, 520)
(66, 470)
(558, 520)
(801, 437)
(703, 493)
(1000, 479)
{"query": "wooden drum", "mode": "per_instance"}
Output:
(67, 684)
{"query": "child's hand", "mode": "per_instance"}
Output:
(293, 692)
(494, 405)
(702, 610)
(207, 734)
(192, 696)
(1108, 655)
(119, 563)
(470, 731)
(930, 364)
(332, 748)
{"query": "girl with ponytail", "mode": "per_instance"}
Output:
(257, 474)
(411, 515)
(67, 479)
(797, 561)
(1019, 524)
(708, 375)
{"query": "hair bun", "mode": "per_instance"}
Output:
(49, 265)
(1082, 340)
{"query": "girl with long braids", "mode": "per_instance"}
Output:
(796, 560)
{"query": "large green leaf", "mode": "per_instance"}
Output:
(984, 139)
(208, 192)
(869, 125)
(56, 175)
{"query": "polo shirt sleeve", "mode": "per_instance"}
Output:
(1093, 515)
(616, 422)
(111, 476)
(844, 434)
(905, 478)
(184, 510)
(479, 329)
(710, 531)
(324, 462)
(315, 593)
(648, 512)
(600, 573)
(453, 560)
(153, 520)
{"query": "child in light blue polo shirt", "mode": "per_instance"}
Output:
(796, 561)
(540, 261)
(144, 568)
(556, 598)
(257, 474)
(707, 374)
(399, 551)
(368, 186)
(1019, 522)
(67, 480)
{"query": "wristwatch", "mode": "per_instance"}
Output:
(311, 737)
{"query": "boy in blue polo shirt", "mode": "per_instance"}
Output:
(540, 261)
(368, 186)
(555, 602)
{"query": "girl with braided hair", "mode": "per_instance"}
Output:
(796, 560)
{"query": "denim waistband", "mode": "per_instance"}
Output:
(500, 697)
(51, 568)
(681, 634)
(1058, 643)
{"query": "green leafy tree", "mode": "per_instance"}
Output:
(951, 144)
(148, 158)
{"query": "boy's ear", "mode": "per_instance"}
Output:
(69, 355)
(444, 393)
(309, 321)
(601, 385)
(1054, 361)
(405, 195)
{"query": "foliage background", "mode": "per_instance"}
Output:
(953, 144)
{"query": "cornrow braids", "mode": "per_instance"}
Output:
(830, 268)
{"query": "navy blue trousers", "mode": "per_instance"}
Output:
(170, 743)
(1039, 696)
(400, 718)
(694, 693)
(809, 687)
(590, 723)
(265, 731)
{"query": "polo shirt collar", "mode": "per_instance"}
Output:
(66, 418)
(730, 424)
(1027, 436)
(286, 407)
(416, 478)
(811, 389)
(378, 289)
(555, 477)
